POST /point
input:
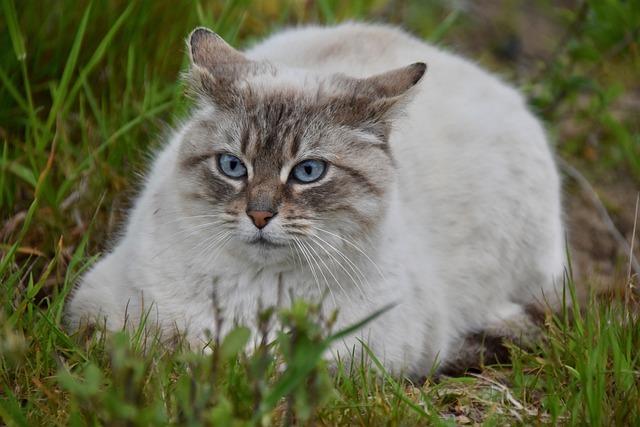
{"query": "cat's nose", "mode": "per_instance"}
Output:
(260, 218)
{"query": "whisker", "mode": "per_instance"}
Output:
(363, 253)
(186, 232)
(309, 257)
(315, 260)
(186, 218)
(296, 254)
(208, 243)
(196, 227)
(336, 261)
(221, 244)
(345, 293)
(354, 267)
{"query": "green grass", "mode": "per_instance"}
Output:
(88, 90)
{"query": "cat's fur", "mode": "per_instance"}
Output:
(440, 195)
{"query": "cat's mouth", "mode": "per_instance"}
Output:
(266, 243)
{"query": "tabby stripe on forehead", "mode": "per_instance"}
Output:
(275, 112)
(294, 146)
(244, 139)
(361, 179)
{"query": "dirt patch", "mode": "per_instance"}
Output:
(599, 259)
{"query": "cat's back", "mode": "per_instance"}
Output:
(362, 50)
(352, 48)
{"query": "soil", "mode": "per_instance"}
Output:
(599, 260)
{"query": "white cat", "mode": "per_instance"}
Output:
(321, 162)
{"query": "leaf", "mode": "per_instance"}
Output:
(86, 386)
(21, 171)
(234, 342)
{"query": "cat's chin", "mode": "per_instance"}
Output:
(265, 252)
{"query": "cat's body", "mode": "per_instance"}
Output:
(442, 198)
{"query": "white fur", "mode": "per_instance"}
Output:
(473, 231)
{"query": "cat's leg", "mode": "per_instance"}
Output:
(105, 302)
(102, 299)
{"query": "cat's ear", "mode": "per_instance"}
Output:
(373, 103)
(215, 67)
(395, 83)
(210, 51)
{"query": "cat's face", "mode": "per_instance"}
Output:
(283, 164)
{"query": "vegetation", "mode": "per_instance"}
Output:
(87, 91)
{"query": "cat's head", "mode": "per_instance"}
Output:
(286, 162)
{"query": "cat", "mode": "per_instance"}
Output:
(328, 163)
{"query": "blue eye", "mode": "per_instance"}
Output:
(231, 166)
(309, 171)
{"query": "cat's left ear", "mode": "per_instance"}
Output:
(395, 83)
(215, 67)
(374, 102)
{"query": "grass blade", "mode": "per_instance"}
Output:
(17, 40)
(358, 325)
(97, 56)
(10, 410)
(8, 258)
(14, 92)
(60, 91)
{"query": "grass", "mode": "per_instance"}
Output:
(88, 90)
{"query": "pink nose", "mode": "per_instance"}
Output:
(260, 218)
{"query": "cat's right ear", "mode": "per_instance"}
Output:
(215, 67)
(210, 51)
